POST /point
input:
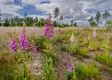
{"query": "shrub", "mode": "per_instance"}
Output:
(49, 70)
(63, 47)
(14, 67)
(71, 75)
(105, 58)
(109, 23)
(73, 48)
(106, 46)
(87, 72)
(84, 52)
(94, 45)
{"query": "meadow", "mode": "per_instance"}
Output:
(71, 54)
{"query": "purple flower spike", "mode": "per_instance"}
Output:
(70, 68)
(35, 50)
(46, 30)
(13, 45)
(24, 43)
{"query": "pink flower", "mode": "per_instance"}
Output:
(51, 32)
(13, 45)
(34, 49)
(46, 30)
(24, 43)
(70, 68)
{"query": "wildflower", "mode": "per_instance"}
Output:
(46, 30)
(13, 45)
(70, 68)
(51, 31)
(34, 49)
(94, 33)
(69, 65)
(72, 38)
(24, 43)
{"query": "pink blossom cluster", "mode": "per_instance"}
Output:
(13, 45)
(49, 30)
(23, 41)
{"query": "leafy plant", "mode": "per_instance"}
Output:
(105, 58)
(14, 67)
(71, 75)
(84, 52)
(73, 48)
(49, 70)
(87, 72)
(106, 46)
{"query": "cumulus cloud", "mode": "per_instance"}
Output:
(71, 9)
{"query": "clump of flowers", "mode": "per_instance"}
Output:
(46, 30)
(51, 32)
(13, 45)
(24, 43)
(49, 28)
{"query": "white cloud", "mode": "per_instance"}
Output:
(77, 9)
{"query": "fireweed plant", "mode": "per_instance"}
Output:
(70, 72)
(24, 43)
(13, 45)
(49, 28)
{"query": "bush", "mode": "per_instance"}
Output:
(109, 23)
(71, 75)
(15, 67)
(84, 52)
(105, 58)
(49, 70)
(74, 49)
(87, 72)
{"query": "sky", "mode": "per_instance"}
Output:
(79, 10)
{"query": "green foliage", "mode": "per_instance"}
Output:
(74, 48)
(105, 15)
(105, 58)
(64, 47)
(71, 75)
(92, 22)
(109, 23)
(84, 52)
(49, 70)
(105, 45)
(39, 41)
(49, 51)
(15, 67)
(97, 17)
(94, 45)
(87, 72)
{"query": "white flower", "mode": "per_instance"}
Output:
(72, 38)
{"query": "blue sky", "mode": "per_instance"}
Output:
(79, 10)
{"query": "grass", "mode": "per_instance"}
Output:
(87, 72)
(105, 58)
(15, 67)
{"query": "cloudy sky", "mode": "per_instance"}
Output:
(79, 10)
